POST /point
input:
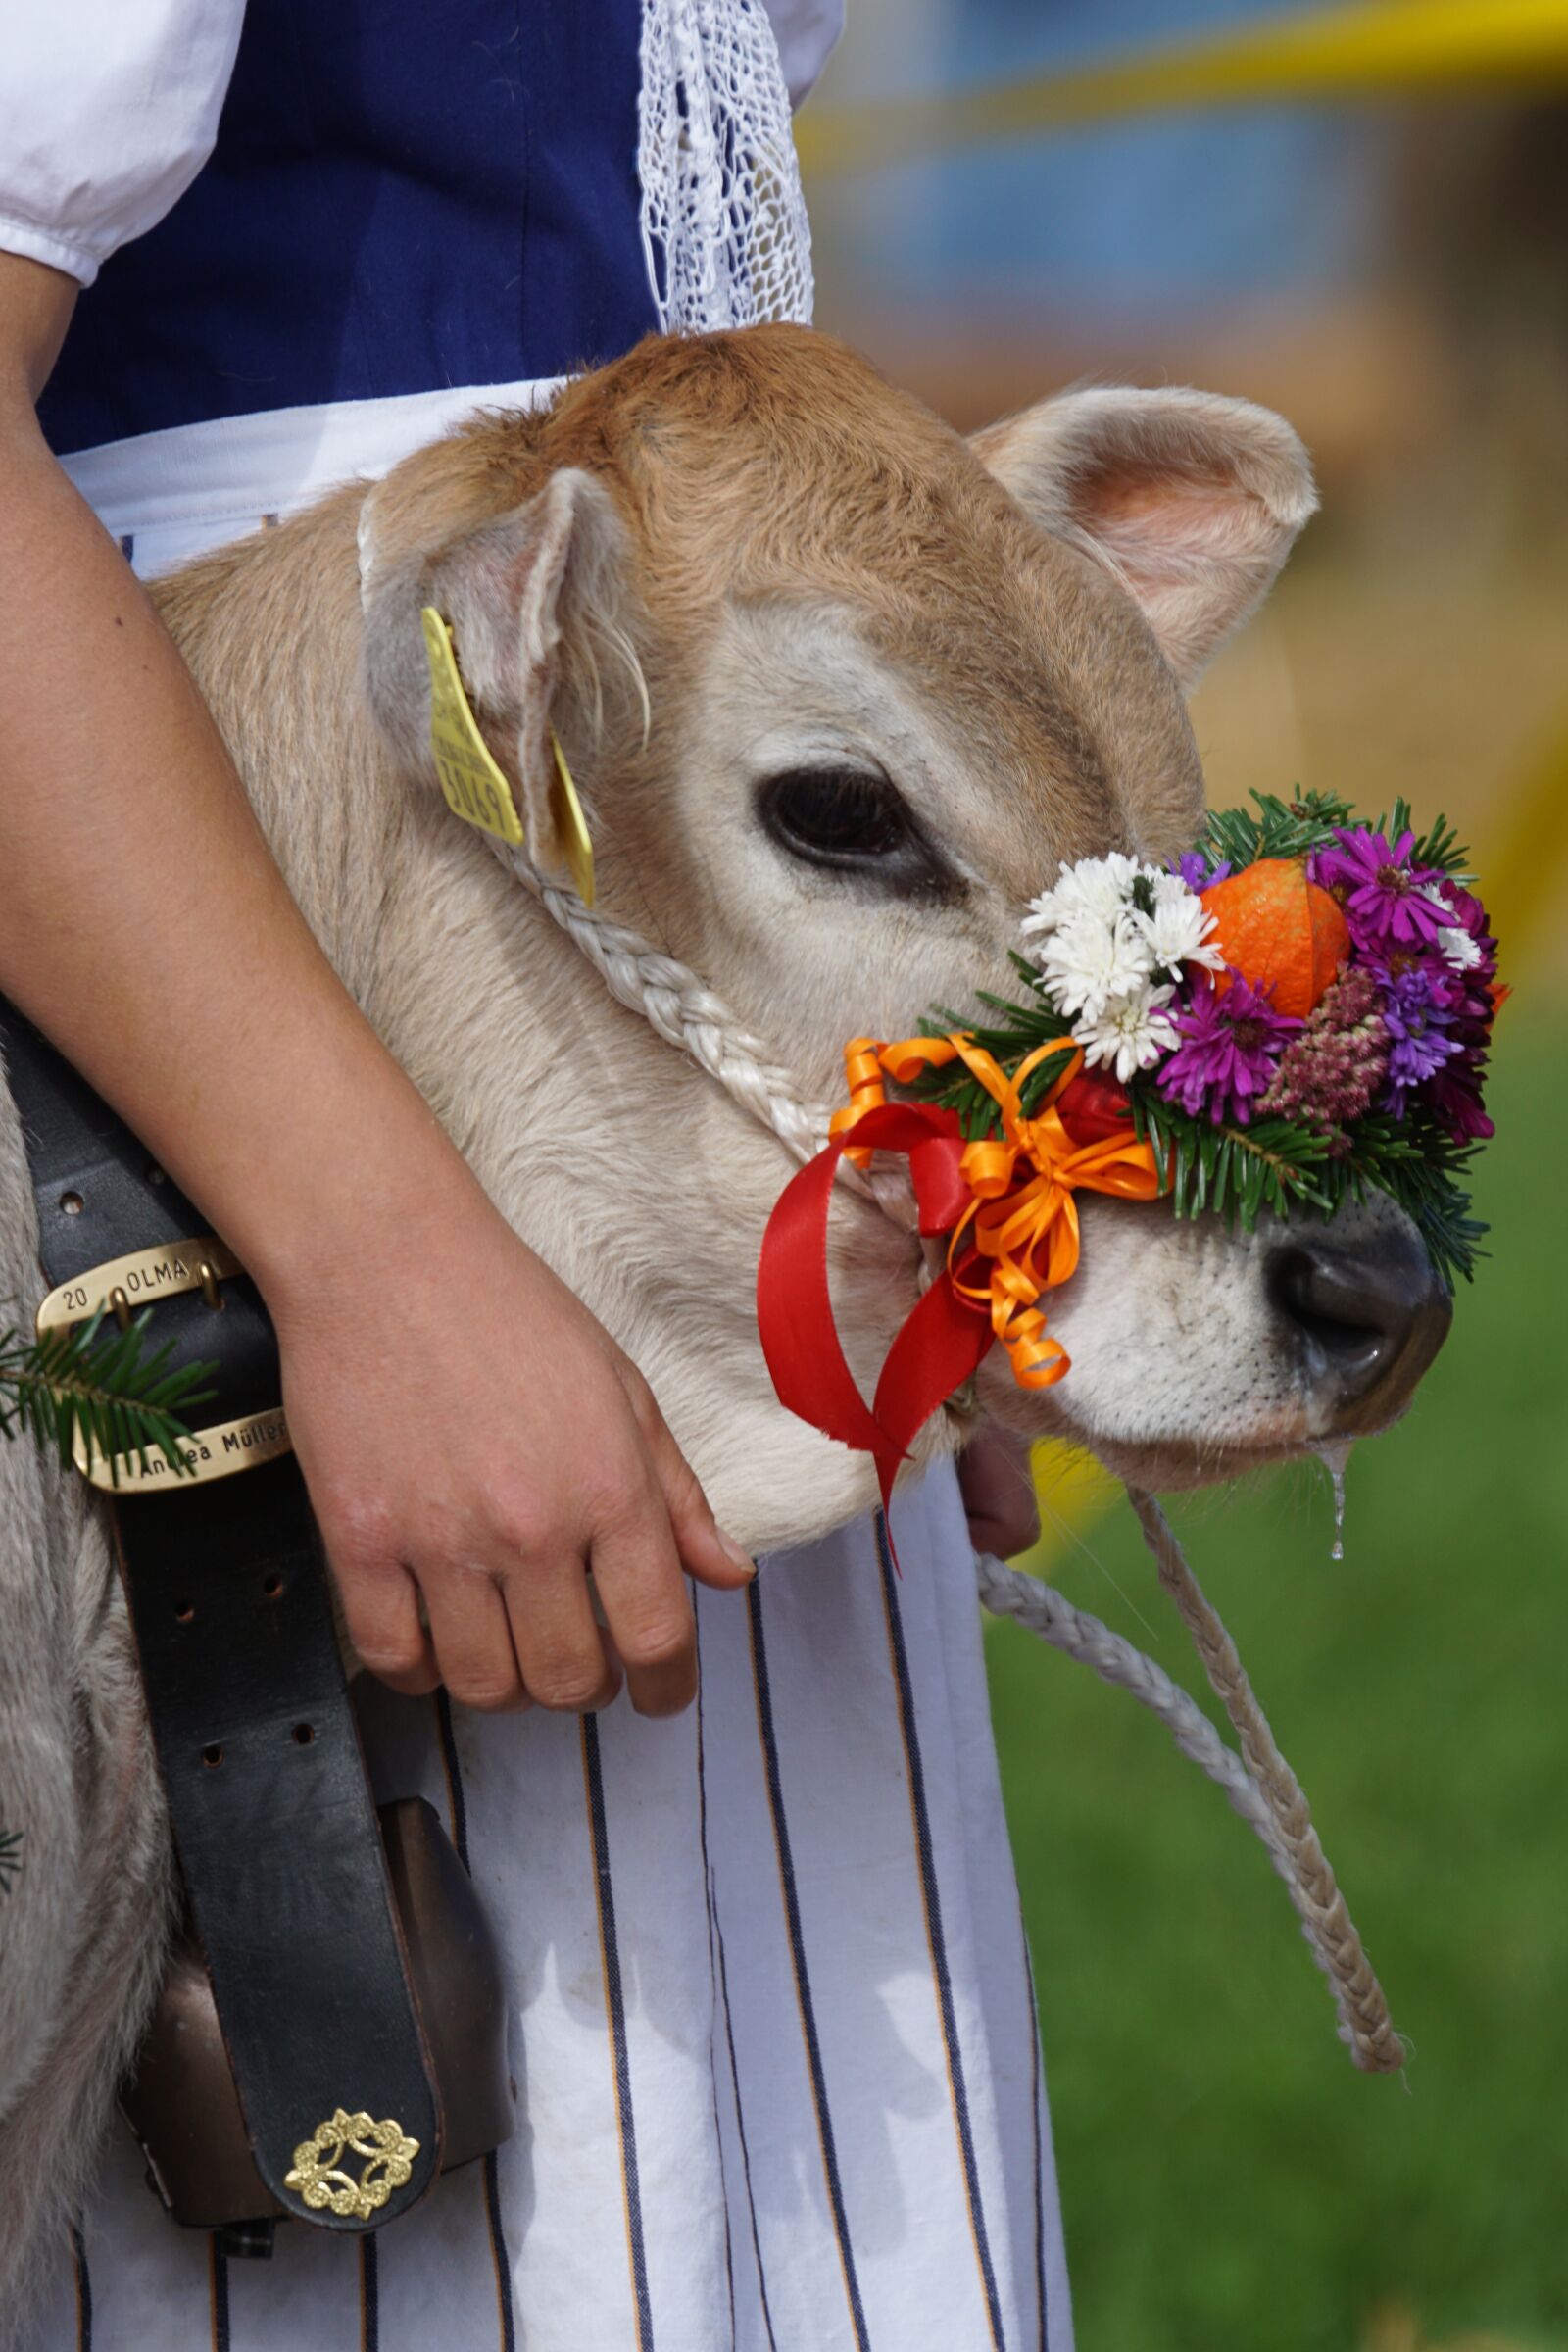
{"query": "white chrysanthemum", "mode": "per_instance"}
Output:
(1094, 886)
(1178, 931)
(1088, 963)
(1459, 949)
(1129, 1034)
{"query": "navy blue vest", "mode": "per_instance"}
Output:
(405, 194)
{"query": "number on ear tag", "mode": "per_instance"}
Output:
(475, 786)
(571, 826)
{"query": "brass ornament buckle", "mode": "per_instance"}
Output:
(140, 1278)
(318, 2180)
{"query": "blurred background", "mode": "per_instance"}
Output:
(1367, 228)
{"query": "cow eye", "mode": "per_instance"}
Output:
(850, 820)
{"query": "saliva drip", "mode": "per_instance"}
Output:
(1334, 1454)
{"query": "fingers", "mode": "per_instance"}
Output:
(473, 1639)
(380, 1608)
(559, 1646)
(648, 1612)
(708, 1553)
(998, 1490)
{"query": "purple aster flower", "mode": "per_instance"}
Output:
(1195, 870)
(1388, 901)
(1420, 1030)
(1232, 1038)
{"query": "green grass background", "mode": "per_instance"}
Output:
(1230, 2182)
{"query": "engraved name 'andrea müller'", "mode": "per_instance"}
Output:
(265, 1431)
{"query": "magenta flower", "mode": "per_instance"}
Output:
(1388, 901)
(1452, 1095)
(1232, 1040)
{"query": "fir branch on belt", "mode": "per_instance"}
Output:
(101, 1387)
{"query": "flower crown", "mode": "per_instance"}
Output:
(1295, 1012)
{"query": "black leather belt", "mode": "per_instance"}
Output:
(273, 1817)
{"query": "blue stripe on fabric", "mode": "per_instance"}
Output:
(616, 2002)
(1040, 2168)
(716, 1945)
(498, 2247)
(370, 2295)
(932, 1900)
(803, 1983)
(454, 1776)
(78, 2254)
(217, 2273)
(452, 1767)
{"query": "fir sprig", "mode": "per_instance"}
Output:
(79, 1381)
(1295, 828)
(1280, 829)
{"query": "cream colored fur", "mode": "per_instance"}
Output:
(713, 561)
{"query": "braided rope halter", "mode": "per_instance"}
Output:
(1257, 1781)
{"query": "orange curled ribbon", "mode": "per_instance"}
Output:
(1025, 1231)
(1007, 1204)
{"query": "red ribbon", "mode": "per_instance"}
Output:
(939, 1345)
(1009, 1239)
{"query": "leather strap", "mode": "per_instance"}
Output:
(255, 1739)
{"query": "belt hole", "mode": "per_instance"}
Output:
(304, 1734)
(272, 1585)
(72, 1203)
(184, 1611)
(213, 1757)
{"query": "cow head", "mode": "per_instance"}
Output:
(841, 689)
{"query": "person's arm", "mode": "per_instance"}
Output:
(486, 1441)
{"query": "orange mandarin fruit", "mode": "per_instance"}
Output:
(1279, 929)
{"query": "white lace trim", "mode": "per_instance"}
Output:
(723, 218)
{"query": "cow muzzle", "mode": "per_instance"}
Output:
(1364, 1317)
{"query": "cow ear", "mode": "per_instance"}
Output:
(1191, 501)
(523, 598)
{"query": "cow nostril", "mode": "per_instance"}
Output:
(1367, 1322)
(1312, 1291)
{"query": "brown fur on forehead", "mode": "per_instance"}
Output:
(776, 460)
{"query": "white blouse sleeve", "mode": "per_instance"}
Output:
(806, 32)
(107, 110)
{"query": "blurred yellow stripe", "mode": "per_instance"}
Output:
(1073, 1491)
(1521, 876)
(1383, 46)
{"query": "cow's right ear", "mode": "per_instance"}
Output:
(517, 595)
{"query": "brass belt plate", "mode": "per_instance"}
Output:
(140, 1277)
(216, 1453)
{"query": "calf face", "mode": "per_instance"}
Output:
(842, 691)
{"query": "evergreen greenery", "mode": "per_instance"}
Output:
(101, 1386)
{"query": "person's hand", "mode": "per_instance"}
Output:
(475, 1442)
(999, 1493)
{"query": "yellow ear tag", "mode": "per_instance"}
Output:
(474, 785)
(571, 826)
